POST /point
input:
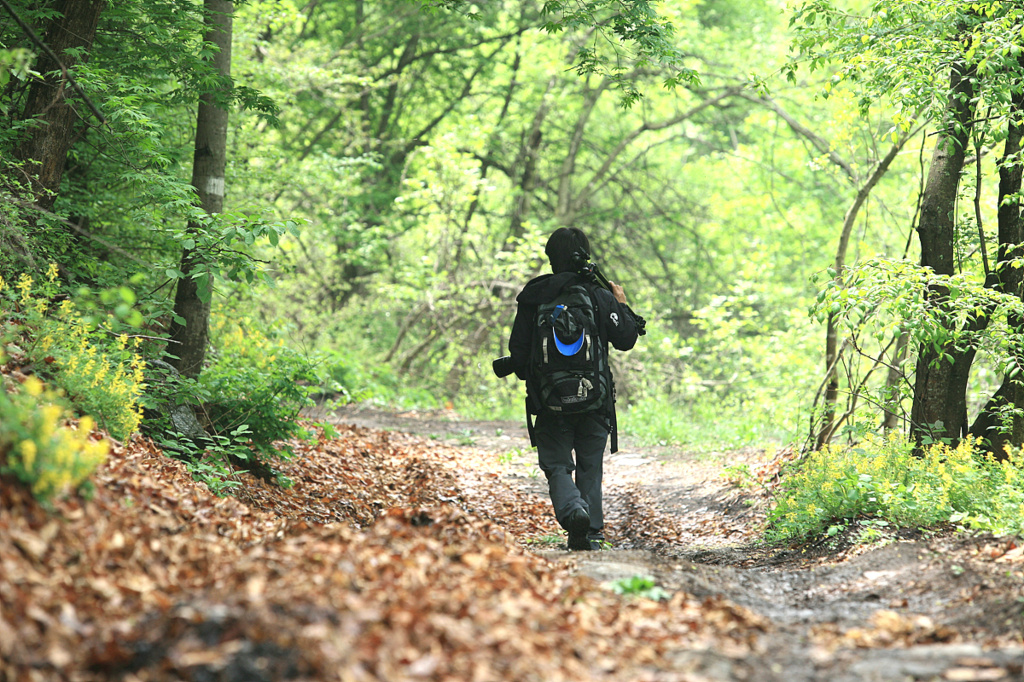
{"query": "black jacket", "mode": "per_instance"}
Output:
(615, 321)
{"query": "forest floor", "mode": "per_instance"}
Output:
(912, 606)
(422, 547)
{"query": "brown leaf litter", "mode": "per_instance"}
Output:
(388, 559)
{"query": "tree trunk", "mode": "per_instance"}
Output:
(990, 424)
(189, 340)
(940, 389)
(45, 152)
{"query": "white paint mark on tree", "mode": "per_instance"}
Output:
(215, 186)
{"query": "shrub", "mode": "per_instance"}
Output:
(96, 369)
(255, 381)
(37, 445)
(887, 481)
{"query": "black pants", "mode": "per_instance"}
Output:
(557, 436)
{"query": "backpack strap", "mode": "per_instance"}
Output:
(533, 399)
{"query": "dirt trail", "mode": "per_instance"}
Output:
(938, 607)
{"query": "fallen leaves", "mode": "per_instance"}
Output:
(886, 629)
(388, 559)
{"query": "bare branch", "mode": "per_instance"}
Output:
(800, 129)
(591, 186)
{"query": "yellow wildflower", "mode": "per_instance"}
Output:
(33, 386)
(28, 454)
(51, 418)
(100, 374)
(25, 287)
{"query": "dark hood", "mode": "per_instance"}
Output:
(543, 289)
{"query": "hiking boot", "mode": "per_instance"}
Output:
(578, 524)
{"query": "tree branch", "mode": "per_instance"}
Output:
(590, 187)
(819, 143)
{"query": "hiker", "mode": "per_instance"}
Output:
(559, 346)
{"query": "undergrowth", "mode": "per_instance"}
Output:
(248, 401)
(100, 371)
(39, 447)
(255, 381)
(887, 483)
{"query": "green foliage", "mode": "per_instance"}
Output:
(885, 481)
(13, 62)
(510, 457)
(343, 375)
(903, 49)
(739, 475)
(880, 300)
(706, 424)
(635, 23)
(255, 383)
(37, 445)
(218, 243)
(26, 245)
(91, 363)
(248, 400)
(643, 39)
(417, 242)
(400, 204)
(654, 422)
(639, 586)
(215, 464)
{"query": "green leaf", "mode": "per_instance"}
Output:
(203, 287)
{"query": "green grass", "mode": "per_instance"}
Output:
(547, 540)
(700, 426)
(502, 406)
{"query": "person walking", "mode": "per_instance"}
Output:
(559, 346)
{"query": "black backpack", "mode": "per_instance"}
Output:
(569, 363)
